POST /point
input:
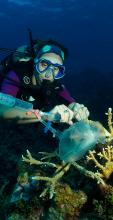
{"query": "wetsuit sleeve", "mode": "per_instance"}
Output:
(65, 95)
(10, 84)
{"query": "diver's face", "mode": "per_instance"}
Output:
(49, 66)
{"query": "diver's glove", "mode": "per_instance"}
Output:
(80, 111)
(66, 114)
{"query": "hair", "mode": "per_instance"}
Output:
(41, 43)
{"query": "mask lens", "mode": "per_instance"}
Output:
(43, 65)
(60, 72)
(56, 70)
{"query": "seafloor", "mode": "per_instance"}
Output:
(76, 196)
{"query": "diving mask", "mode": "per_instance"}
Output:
(44, 65)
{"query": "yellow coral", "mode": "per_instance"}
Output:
(110, 116)
(106, 169)
(22, 178)
(67, 201)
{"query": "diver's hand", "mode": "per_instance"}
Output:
(65, 113)
(80, 111)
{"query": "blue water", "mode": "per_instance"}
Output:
(85, 27)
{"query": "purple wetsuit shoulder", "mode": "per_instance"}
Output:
(7, 86)
(64, 93)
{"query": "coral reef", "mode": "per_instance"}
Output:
(53, 213)
(110, 127)
(104, 206)
(69, 202)
(29, 210)
(51, 181)
(106, 157)
(74, 143)
(54, 198)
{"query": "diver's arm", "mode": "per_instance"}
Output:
(13, 108)
(10, 84)
(13, 113)
(65, 95)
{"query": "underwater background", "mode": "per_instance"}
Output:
(85, 28)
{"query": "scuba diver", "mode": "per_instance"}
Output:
(33, 73)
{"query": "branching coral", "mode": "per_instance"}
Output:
(110, 123)
(107, 155)
(81, 137)
(31, 160)
(61, 169)
(51, 181)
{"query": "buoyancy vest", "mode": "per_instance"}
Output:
(46, 95)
